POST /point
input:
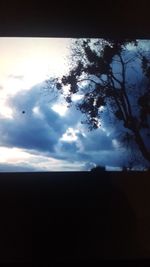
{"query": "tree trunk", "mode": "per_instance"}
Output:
(141, 145)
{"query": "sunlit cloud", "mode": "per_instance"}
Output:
(28, 61)
(70, 135)
(61, 109)
(13, 155)
(14, 159)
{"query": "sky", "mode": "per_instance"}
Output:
(37, 130)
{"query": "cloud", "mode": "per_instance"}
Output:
(38, 129)
(35, 125)
(24, 167)
(94, 147)
(28, 130)
(97, 141)
(41, 164)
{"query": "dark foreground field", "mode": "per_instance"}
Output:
(74, 216)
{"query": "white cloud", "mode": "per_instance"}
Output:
(70, 135)
(61, 109)
(16, 159)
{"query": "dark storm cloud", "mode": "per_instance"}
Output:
(96, 147)
(26, 129)
(110, 156)
(97, 141)
(33, 135)
(30, 130)
(41, 132)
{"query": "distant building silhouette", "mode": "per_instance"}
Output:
(98, 169)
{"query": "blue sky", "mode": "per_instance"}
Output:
(47, 136)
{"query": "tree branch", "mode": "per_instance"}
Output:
(118, 81)
(116, 100)
(131, 59)
(88, 79)
(124, 87)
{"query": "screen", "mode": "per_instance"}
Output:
(74, 104)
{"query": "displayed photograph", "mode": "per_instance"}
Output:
(71, 104)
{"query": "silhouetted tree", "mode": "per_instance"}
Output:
(112, 74)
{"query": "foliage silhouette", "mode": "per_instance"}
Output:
(100, 71)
